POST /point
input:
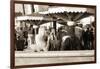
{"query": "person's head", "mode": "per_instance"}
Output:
(42, 30)
(76, 25)
(87, 28)
(91, 29)
(31, 25)
(18, 37)
(21, 28)
(58, 29)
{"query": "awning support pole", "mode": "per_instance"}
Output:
(54, 25)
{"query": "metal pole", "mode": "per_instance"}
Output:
(54, 25)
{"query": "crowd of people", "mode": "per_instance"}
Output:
(63, 39)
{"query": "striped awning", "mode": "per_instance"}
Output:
(64, 9)
(69, 13)
(20, 18)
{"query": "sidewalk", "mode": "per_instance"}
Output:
(30, 57)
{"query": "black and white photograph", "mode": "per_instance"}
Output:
(54, 34)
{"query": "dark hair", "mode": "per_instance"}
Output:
(21, 28)
(31, 25)
(91, 29)
(18, 37)
(87, 28)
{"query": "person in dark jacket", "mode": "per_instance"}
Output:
(20, 41)
(86, 39)
(20, 44)
(91, 38)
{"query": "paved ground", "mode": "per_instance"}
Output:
(30, 57)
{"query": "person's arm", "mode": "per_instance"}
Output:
(48, 40)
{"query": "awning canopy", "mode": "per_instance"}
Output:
(32, 18)
(38, 20)
(60, 14)
(64, 9)
(69, 13)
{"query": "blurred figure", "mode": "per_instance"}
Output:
(20, 44)
(41, 40)
(65, 38)
(92, 38)
(20, 40)
(52, 40)
(30, 35)
(59, 39)
(25, 34)
(66, 43)
(20, 33)
(87, 39)
(78, 34)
